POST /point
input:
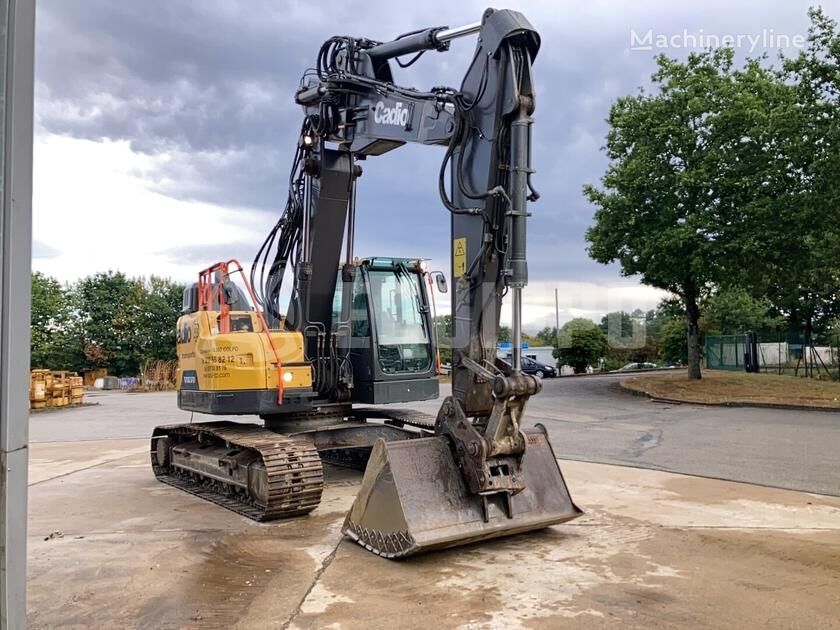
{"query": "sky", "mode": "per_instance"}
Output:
(164, 129)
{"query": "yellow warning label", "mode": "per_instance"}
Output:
(459, 257)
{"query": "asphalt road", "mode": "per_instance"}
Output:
(592, 419)
(588, 419)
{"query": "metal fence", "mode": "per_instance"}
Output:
(780, 353)
(725, 352)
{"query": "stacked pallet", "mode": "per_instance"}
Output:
(59, 394)
(39, 382)
(77, 389)
(55, 389)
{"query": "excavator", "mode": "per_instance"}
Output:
(357, 334)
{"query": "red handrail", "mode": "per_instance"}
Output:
(205, 303)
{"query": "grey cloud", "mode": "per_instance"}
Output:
(202, 255)
(42, 250)
(210, 84)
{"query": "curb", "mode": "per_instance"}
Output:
(755, 405)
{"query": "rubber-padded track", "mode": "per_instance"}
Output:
(293, 467)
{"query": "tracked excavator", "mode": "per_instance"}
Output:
(358, 333)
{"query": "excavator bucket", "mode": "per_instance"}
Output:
(414, 499)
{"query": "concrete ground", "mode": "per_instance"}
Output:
(111, 547)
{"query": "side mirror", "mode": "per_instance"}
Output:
(440, 282)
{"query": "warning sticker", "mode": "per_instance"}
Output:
(459, 257)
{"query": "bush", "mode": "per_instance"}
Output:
(582, 344)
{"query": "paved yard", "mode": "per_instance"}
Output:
(654, 549)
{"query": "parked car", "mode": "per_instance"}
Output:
(631, 367)
(540, 370)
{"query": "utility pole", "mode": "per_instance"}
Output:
(17, 44)
(557, 317)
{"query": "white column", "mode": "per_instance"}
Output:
(17, 32)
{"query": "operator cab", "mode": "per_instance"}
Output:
(391, 331)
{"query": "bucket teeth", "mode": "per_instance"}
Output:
(414, 499)
(391, 545)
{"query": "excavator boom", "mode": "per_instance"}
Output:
(361, 330)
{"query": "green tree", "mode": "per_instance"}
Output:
(547, 336)
(531, 340)
(792, 225)
(673, 341)
(110, 308)
(54, 338)
(47, 314)
(505, 334)
(581, 344)
(682, 163)
(665, 311)
(443, 333)
(732, 311)
(618, 324)
(106, 320)
(625, 330)
(161, 307)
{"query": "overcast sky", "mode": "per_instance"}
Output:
(164, 128)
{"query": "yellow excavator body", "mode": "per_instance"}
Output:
(241, 359)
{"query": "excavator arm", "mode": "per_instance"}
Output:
(353, 110)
